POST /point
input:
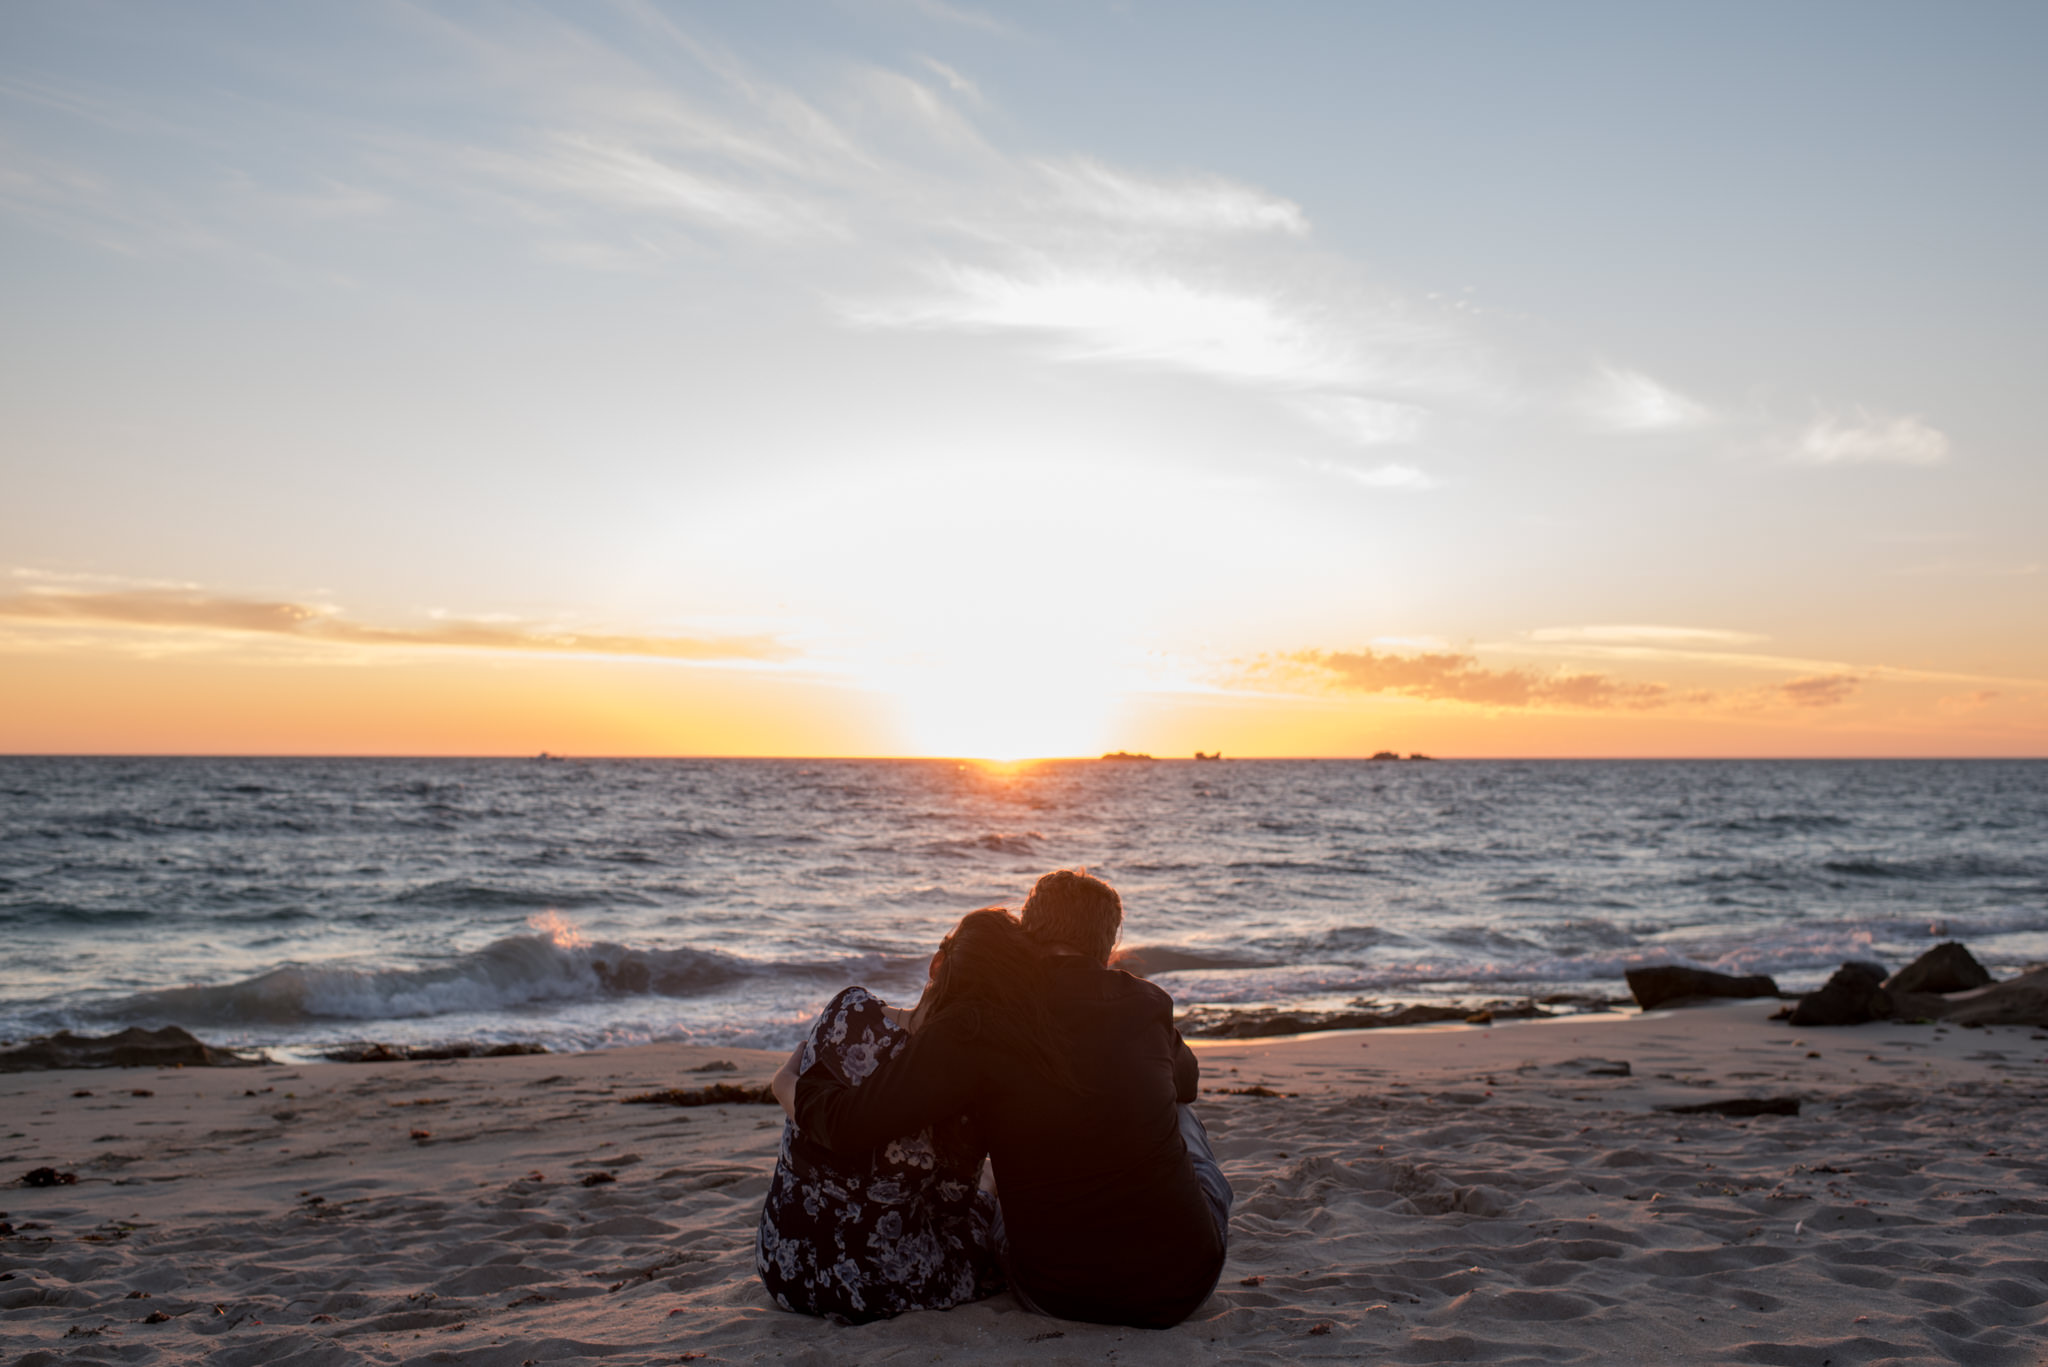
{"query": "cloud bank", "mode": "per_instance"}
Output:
(1447, 676)
(177, 610)
(1444, 676)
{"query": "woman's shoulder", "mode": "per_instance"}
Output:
(856, 1011)
(853, 1036)
(855, 998)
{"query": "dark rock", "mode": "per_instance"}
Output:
(1740, 1106)
(134, 1047)
(1671, 984)
(1915, 1006)
(717, 1094)
(1596, 1067)
(370, 1052)
(1855, 994)
(1261, 1024)
(48, 1177)
(1948, 967)
(2016, 1001)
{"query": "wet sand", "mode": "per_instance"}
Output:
(1456, 1193)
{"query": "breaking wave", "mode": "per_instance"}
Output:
(517, 971)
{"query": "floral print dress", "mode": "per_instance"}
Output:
(864, 1236)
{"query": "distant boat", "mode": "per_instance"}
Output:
(1124, 754)
(1200, 755)
(1419, 755)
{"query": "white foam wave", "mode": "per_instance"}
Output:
(518, 971)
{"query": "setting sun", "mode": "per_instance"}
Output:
(1004, 712)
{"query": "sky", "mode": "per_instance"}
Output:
(909, 377)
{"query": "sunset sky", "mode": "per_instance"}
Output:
(910, 377)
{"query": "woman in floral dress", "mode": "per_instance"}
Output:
(863, 1237)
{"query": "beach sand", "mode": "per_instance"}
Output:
(1448, 1194)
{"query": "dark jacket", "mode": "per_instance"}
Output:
(1105, 1220)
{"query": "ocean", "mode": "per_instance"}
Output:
(297, 904)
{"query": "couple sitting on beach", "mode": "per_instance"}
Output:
(1028, 1049)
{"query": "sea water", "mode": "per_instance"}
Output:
(296, 903)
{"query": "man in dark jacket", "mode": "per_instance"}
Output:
(1113, 1207)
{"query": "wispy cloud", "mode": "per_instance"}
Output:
(1630, 401)
(964, 15)
(1429, 673)
(1205, 204)
(1130, 318)
(1444, 676)
(1820, 690)
(632, 178)
(1868, 438)
(190, 611)
(957, 83)
(1704, 648)
(1362, 421)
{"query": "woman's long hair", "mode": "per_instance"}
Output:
(990, 970)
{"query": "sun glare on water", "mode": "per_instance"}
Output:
(556, 927)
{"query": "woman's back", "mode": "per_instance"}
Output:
(860, 1236)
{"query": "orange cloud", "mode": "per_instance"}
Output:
(1447, 677)
(1819, 690)
(166, 609)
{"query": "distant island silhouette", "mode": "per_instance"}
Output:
(1124, 754)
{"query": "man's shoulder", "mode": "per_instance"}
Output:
(1114, 985)
(1152, 993)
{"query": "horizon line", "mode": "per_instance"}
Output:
(1030, 759)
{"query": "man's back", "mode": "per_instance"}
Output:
(1105, 1219)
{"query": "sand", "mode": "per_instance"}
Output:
(1448, 1194)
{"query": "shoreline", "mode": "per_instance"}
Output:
(1489, 1193)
